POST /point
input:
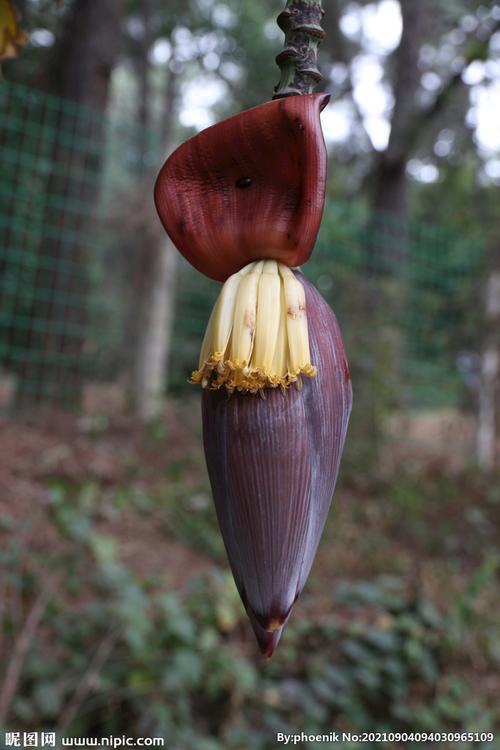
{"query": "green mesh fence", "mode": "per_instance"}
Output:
(71, 183)
(64, 168)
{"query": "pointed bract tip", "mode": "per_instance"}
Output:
(266, 640)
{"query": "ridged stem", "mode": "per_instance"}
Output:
(298, 61)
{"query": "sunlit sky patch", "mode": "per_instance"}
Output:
(199, 98)
(485, 115)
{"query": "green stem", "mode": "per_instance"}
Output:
(298, 61)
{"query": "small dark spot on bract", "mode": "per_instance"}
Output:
(244, 182)
(181, 226)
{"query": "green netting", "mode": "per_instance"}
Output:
(406, 294)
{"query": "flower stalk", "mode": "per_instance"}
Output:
(298, 61)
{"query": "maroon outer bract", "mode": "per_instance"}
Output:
(273, 466)
(248, 188)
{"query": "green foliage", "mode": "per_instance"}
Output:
(379, 666)
(452, 200)
(116, 653)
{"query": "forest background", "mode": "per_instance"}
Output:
(117, 611)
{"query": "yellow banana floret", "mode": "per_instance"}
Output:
(267, 322)
(12, 38)
(299, 358)
(257, 336)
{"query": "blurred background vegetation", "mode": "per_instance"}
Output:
(117, 611)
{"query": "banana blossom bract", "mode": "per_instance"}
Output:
(243, 201)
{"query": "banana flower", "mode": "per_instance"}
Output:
(243, 201)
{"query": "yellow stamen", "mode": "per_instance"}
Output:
(257, 336)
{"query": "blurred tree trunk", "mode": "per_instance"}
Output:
(386, 244)
(387, 240)
(142, 68)
(79, 70)
(152, 349)
(156, 303)
(388, 179)
(489, 388)
(87, 51)
(154, 259)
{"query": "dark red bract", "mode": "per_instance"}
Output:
(248, 188)
(273, 466)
